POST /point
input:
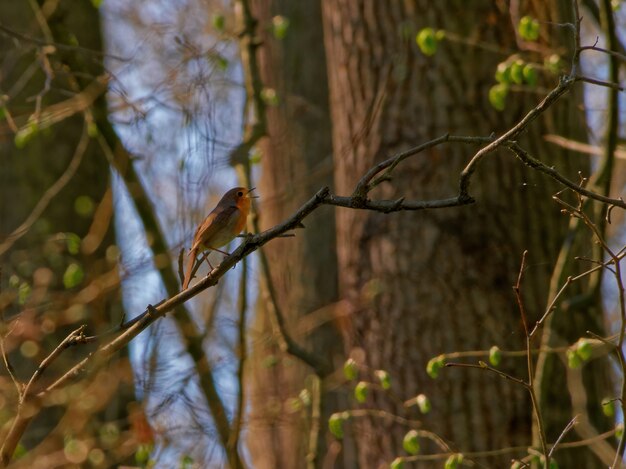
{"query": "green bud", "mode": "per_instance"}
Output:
(25, 134)
(495, 355)
(453, 461)
(143, 453)
(23, 293)
(517, 72)
(584, 349)
(397, 463)
(218, 21)
(423, 403)
(553, 63)
(497, 96)
(426, 40)
(528, 28)
(350, 369)
(72, 243)
(92, 130)
(280, 25)
(361, 390)
(335, 424)
(411, 442)
(608, 407)
(503, 73)
(269, 96)
(384, 378)
(435, 365)
(573, 360)
(84, 205)
(531, 75)
(73, 275)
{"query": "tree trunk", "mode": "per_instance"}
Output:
(41, 257)
(425, 283)
(296, 161)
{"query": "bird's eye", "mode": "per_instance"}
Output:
(240, 194)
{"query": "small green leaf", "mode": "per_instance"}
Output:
(528, 28)
(350, 369)
(361, 390)
(84, 205)
(97, 3)
(383, 378)
(143, 453)
(335, 424)
(14, 281)
(453, 461)
(269, 96)
(503, 73)
(553, 64)
(584, 349)
(255, 156)
(221, 62)
(280, 26)
(531, 75)
(72, 242)
(495, 355)
(92, 130)
(608, 407)
(23, 293)
(397, 463)
(411, 442)
(619, 431)
(20, 451)
(186, 462)
(73, 275)
(426, 40)
(218, 21)
(423, 403)
(435, 365)
(25, 134)
(497, 96)
(517, 72)
(573, 359)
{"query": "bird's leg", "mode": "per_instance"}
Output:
(199, 262)
(219, 250)
(226, 254)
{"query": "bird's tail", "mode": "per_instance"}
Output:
(189, 270)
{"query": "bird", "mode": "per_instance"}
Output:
(221, 226)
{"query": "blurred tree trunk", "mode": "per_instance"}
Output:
(296, 161)
(419, 284)
(43, 258)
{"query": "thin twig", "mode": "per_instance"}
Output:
(242, 353)
(50, 193)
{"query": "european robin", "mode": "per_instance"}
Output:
(221, 226)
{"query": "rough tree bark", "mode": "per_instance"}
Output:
(296, 161)
(419, 284)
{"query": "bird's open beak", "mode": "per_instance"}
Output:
(252, 196)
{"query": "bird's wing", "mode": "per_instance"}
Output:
(215, 221)
(190, 263)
